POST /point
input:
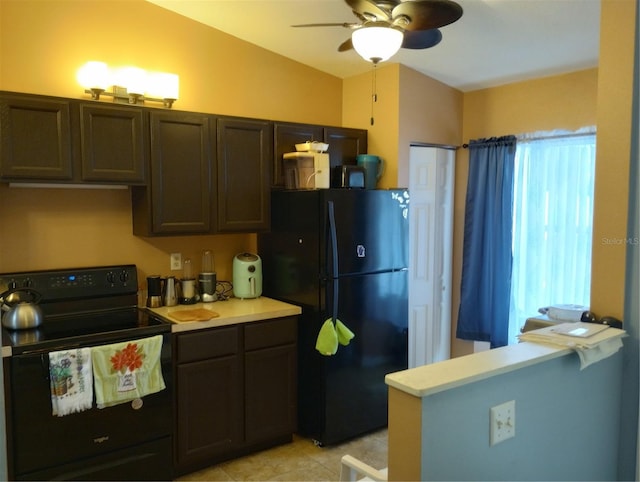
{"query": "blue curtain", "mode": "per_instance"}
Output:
(486, 258)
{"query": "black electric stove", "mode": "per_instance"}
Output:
(82, 306)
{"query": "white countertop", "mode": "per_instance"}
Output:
(231, 311)
(437, 377)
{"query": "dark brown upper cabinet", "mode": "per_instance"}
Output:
(35, 138)
(178, 198)
(345, 144)
(50, 139)
(114, 143)
(245, 153)
(286, 136)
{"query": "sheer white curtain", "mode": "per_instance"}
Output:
(552, 222)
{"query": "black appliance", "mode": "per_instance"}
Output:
(82, 308)
(347, 248)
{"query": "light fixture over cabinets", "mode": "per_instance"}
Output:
(131, 85)
(375, 43)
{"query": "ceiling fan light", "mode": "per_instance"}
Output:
(376, 44)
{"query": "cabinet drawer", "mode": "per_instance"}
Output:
(203, 344)
(264, 334)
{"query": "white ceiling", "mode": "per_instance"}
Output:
(495, 42)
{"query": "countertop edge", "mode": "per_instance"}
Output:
(231, 312)
(437, 377)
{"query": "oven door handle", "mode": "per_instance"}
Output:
(44, 357)
(44, 363)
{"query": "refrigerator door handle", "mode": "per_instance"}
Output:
(334, 257)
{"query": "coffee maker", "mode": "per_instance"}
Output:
(154, 291)
(207, 279)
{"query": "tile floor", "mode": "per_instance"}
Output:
(300, 460)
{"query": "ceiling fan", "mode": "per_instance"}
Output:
(385, 26)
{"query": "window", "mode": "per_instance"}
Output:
(552, 223)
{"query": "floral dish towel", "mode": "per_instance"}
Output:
(127, 371)
(71, 381)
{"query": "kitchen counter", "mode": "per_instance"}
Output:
(231, 312)
(439, 411)
(429, 379)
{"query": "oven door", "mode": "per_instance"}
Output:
(114, 443)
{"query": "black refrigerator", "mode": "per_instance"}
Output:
(342, 251)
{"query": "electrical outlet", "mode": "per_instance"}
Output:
(176, 261)
(503, 422)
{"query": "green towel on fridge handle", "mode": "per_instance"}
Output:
(345, 335)
(327, 342)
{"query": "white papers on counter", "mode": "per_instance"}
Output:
(593, 342)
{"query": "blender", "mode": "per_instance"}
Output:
(207, 279)
(189, 294)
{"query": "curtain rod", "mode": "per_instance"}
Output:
(554, 136)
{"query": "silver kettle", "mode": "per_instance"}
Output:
(18, 312)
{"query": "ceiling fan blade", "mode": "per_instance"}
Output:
(345, 25)
(346, 45)
(421, 39)
(428, 14)
(368, 8)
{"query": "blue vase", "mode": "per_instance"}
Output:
(373, 169)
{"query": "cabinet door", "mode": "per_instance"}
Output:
(35, 138)
(245, 153)
(286, 136)
(270, 393)
(270, 379)
(209, 409)
(345, 144)
(114, 143)
(181, 176)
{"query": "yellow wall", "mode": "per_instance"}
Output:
(430, 112)
(358, 109)
(43, 43)
(613, 151)
(410, 107)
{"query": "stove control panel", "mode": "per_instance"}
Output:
(55, 285)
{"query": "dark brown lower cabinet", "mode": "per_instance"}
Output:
(235, 391)
(269, 379)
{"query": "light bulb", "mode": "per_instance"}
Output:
(94, 75)
(376, 44)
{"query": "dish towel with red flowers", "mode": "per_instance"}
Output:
(127, 371)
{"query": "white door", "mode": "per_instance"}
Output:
(431, 181)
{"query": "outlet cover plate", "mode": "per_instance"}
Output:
(502, 422)
(176, 261)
